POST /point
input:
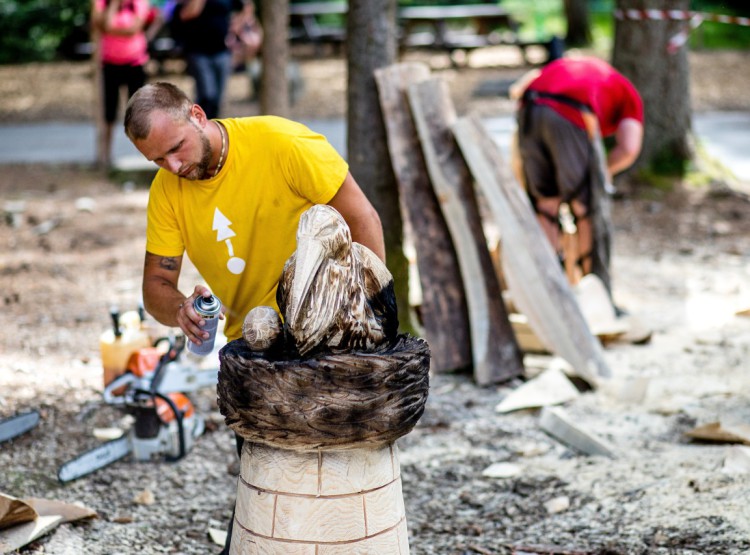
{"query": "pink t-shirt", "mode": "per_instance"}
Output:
(125, 49)
(594, 83)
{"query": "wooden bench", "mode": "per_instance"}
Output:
(452, 28)
(444, 28)
(305, 27)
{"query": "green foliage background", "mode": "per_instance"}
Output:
(31, 30)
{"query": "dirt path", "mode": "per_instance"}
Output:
(71, 245)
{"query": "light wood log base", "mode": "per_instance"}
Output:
(319, 503)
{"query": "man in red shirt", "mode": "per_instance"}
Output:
(564, 110)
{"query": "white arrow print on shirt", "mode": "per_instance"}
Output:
(224, 233)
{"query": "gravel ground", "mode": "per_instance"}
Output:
(680, 265)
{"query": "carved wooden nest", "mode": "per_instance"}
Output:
(327, 402)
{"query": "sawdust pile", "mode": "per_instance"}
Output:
(73, 246)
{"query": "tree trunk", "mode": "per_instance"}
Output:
(579, 27)
(662, 78)
(371, 44)
(274, 89)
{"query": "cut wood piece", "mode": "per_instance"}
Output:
(536, 281)
(495, 352)
(597, 308)
(49, 514)
(556, 423)
(443, 310)
(627, 390)
(722, 433)
(219, 537)
(527, 339)
(737, 460)
(14, 511)
(551, 387)
(638, 332)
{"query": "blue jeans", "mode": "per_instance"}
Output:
(210, 72)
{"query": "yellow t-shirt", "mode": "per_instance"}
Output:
(240, 227)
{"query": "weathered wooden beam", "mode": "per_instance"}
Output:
(559, 425)
(443, 311)
(495, 352)
(536, 282)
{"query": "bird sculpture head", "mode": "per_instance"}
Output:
(324, 242)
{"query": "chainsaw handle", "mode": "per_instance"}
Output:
(175, 347)
(121, 381)
(178, 416)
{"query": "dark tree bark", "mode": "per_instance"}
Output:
(274, 89)
(579, 26)
(371, 44)
(663, 79)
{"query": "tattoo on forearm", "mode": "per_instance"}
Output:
(168, 263)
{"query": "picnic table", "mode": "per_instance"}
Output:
(305, 25)
(446, 28)
(482, 20)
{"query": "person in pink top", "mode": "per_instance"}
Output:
(123, 53)
(564, 108)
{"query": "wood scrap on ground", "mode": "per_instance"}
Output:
(721, 433)
(24, 520)
(551, 387)
(557, 424)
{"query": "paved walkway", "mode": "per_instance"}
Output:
(724, 134)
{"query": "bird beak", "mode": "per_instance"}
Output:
(310, 256)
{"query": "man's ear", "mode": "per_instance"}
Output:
(197, 113)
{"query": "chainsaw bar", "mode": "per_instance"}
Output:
(18, 424)
(96, 458)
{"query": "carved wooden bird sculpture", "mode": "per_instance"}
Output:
(335, 295)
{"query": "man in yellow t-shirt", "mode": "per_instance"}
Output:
(229, 194)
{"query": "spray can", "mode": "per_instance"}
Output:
(209, 308)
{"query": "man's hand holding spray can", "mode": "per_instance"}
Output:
(209, 309)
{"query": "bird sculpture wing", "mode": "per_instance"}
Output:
(378, 287)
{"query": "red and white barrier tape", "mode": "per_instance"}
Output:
(694, 19)
(680, 15)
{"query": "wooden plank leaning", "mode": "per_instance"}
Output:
(495, 352)
(443, 310)
(535, 279)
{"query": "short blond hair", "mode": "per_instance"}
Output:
(159, 96)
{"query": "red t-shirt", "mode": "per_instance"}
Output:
(594, 83)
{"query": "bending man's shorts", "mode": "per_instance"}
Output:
(556, 155)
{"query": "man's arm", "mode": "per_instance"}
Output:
(164, 301)
(192, 9)
(518, 87)
(360, 216)
(628, 142)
